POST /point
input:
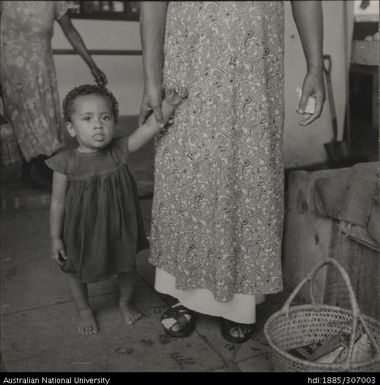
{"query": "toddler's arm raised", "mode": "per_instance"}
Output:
(149, 129)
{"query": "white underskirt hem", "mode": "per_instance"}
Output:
(242, 307)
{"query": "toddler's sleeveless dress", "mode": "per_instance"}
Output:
(103, 228)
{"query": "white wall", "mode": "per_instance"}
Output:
(302, 145)
(371, 13)
(124, 73)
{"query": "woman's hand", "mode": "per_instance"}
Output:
(313, 86)
(79, 46)
(99, 76)
(58, 253)
(152, 100)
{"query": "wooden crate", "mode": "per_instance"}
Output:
(310, 238)
(307, 236)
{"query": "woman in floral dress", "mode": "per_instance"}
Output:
(28, 75)
(218, 203)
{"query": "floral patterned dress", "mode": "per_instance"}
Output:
(28, 76)
(218, 201)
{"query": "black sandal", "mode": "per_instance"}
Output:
(227, 326)
(178, 313)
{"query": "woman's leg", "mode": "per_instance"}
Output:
(86, 320)
(127, 282)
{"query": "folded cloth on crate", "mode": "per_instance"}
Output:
(352, 197)
(358, 234)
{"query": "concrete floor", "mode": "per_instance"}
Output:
(38, 331)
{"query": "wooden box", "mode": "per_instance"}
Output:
(307, 236)
(310, 238)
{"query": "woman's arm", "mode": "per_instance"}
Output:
(152, 30)
(77, 42)
(57, 205)
(308, 17)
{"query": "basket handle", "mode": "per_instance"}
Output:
(310, 277)
(354, 304)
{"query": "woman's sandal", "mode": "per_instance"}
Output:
(228, 326)
(181, 316)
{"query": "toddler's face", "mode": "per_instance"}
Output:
(92, 122)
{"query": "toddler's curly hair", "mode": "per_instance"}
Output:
(89, 89)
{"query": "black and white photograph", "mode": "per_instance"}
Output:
(189, 187)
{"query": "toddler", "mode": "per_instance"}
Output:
(96, 226)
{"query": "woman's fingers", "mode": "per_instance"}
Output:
(317, 113)
(311, 117)
(313, 87)
(143, 115)
(100, 77)
(303, 102)
(103, 79)
(183, 92)
(158, 114)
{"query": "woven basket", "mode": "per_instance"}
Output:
(298, 326)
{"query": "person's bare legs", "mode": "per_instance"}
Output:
(127, 283)
(86, 320)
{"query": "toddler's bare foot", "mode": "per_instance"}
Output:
(129, 312)
(87, 322)
(175, 95)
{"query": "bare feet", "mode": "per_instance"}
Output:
(129, 312)
(87, 322)
(175, 95)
